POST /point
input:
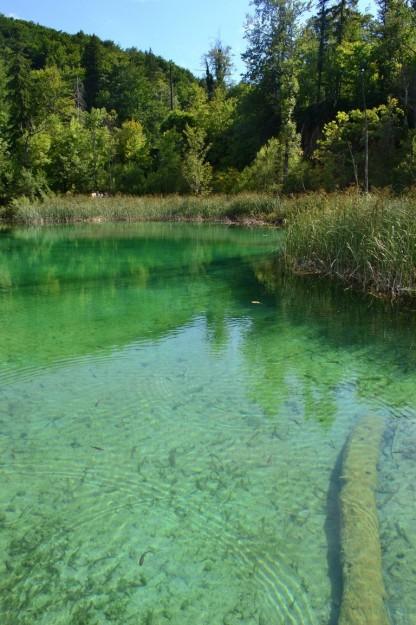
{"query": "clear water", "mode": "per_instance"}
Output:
(149, 406)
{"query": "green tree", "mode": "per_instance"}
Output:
(131, 141)
(272, 61)
(395, 52)
(5, 170)
(218, 120)
(69, 158)
(133, 157)
(101, 145)
(50, 97)
(92, 62)
(219, 65)
(167, 176)
(341, 152)
(197, 172)
(4, 104)
(269, 170)
(19, 94)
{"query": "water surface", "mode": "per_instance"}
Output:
(173, 409)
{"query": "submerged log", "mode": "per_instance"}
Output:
(363, 588)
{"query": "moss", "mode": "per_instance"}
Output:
(363, 592)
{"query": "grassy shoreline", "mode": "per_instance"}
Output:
(242, 208)
(368, 242)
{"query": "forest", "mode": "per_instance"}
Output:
(328, 102)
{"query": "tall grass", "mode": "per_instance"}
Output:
(71, 209)
(368, 240)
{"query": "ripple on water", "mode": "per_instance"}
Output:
(195, 427)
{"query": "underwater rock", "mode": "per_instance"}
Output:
(363, 587)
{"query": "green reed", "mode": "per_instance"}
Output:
(368, 240)
(70, 209)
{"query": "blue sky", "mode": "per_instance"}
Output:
(181, 30)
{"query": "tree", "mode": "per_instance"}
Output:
(167, 176)
(131, 141)
(4, 93)
(92, 60)
(5, 164)
(271, 59)
(196, 171)
(101, 145)
(49, 97)
(271, 34)
(395, 53)
(6, 171)
(341, 151)
(217, 121)
(133, 158)
(209, 80)
(69, 158)
(219, 65)
(269, 171)
(323, 28)
(19, 94)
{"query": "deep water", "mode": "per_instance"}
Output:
(173, 410)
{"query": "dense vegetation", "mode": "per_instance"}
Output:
(327, 97)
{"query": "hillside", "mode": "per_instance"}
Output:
(328, 102)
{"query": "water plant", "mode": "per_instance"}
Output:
(366, 240)
(69, 209)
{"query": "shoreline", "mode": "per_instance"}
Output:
(247, 209)
(368, 243)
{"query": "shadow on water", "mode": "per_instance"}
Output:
(333, 537)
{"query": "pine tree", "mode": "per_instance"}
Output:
(92, 59)
(19, 94)
(323, 28)
(219, 64)
(272, 63)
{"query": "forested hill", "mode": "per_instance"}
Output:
(63, 95)
(123, 80)
(328, 101)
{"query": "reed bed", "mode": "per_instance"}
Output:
(71, 209)
(367, 240)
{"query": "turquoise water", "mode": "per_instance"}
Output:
(172, 413)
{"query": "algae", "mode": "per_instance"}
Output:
(363, 592)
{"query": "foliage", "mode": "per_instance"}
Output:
(78, 114)
(340, 152)
(167, 176)
(5, 170)
(218, 66)
(267, 172)
(196, 171)
(131, 141)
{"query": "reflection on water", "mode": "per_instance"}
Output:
(169, 449)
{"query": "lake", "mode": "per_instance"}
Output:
(173, 412)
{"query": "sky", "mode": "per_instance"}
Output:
(178, 30)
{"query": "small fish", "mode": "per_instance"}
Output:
(144, 554)
(97, 448)
(255, 301)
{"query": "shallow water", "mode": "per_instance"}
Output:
(170, 449)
